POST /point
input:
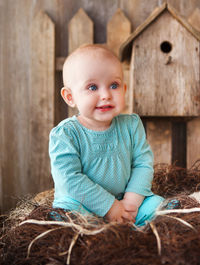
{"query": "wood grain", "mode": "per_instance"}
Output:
(179, 144)
(193, 126)
(194, 19)
(80, 30)
(118, 30)
(14, 97)
(159, 136)
(183, 7)
(193, 141)
(2, 114)
(41, 98)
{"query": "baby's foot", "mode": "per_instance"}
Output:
(173, 204)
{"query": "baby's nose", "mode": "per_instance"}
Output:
(105, 94)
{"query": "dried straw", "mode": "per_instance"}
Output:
(173, 237)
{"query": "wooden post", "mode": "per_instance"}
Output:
(80, 31)
(159, 136)
(1, 155)
(41, 99)
(193, 126)
(193, 141)
(118, 30)
(1, 114)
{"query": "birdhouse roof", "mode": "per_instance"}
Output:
(126, 47)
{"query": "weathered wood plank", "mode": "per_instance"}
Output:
(193, 141)
(194, 19)
(184, 7)
(179, 144)
(118, 30)
(80, 30)
(137, 11)
(2, 115)
(193, 126)
(159, 136)
(59, 63)
(14, 87)
(41, 99)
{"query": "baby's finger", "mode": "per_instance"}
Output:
(120, 220)
(128, 216)
(127, 220)
(134, 214)
(130, 208)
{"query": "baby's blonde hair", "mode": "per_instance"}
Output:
(81, 50)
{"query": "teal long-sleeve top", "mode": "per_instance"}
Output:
(92, 168)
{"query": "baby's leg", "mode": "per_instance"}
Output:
(147, 209)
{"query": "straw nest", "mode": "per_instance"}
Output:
(29, 236)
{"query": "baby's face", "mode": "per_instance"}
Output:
(98, 91)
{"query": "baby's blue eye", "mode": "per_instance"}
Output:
(114, 86)
(93, 87)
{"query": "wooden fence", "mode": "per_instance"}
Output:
(171, 140)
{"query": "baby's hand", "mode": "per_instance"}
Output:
(130, 207)
(118, 213)
(132, 202)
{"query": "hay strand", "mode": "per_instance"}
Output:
(72, 225)
(38, 237)
(191, 210)
(181, 221)
(70, 247)
(153, 227)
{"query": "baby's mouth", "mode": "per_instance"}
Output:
(105, 107)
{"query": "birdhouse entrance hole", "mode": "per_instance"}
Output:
(166, 46)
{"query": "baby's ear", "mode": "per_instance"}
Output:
(66, 94)
(125, 87)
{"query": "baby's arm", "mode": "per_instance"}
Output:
(141, 176)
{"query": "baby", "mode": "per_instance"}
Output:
(101, 162)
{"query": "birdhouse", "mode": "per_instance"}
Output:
(164, 60)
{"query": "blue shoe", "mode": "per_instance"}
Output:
(55, 216)
(147, 209)
(173, 204)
